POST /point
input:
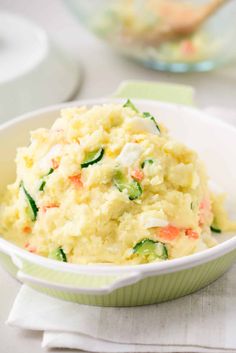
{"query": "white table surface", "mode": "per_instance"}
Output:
(103, 71)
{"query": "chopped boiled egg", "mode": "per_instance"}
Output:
(129, 154)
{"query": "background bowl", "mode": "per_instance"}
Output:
(138, 284)
(127, 24)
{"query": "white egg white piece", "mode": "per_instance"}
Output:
(59, 124)
(130, 153)
(137, 125)
(154, 222)
(45, 163)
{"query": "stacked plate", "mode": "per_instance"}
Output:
(34, 72)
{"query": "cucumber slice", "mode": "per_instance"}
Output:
(119, 180)
(151, 249)
(147, 161)
(43, 182)
(58, 254)
(42, 185)
(129, 104)
(32, 204)
(133, 188)
(92, 157)
(215, 229)
(151, 117)
(50, 171)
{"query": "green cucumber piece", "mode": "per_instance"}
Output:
(92, 157)
(215, 229)
(51, 170)
(119, 180)
(58, 254)
(147, 161)
(144, 246)
(42, 185)
(151, 249)
(129, 104)
(133, 188)
(32, 204)
(151, 117)
(43, 182)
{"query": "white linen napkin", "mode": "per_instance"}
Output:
(202, 322)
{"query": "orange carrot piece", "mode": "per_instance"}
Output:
(27, 229)
(191, 234)
(55, 163)
(205, 204)
(187, 47)
(46, 207)
(30, 248)
(76, 180)
(204, 209)
(169, 232)
(137, 174)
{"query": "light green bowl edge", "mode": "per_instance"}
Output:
(150, 290)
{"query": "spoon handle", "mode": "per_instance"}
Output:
(212, 7)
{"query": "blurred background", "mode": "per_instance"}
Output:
(109, 41)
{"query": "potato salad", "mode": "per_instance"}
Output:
(107, 184)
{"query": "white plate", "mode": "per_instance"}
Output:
(34, 72)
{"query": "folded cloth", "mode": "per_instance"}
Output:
(202, 322)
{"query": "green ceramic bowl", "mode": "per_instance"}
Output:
(138, 284)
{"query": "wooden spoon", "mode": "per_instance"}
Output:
(178, 19)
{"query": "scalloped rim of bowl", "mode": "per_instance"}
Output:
(168, 266)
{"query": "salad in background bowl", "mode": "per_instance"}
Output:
(130, 27)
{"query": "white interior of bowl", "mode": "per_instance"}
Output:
(214, 140)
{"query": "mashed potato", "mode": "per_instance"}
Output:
(109, 185)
